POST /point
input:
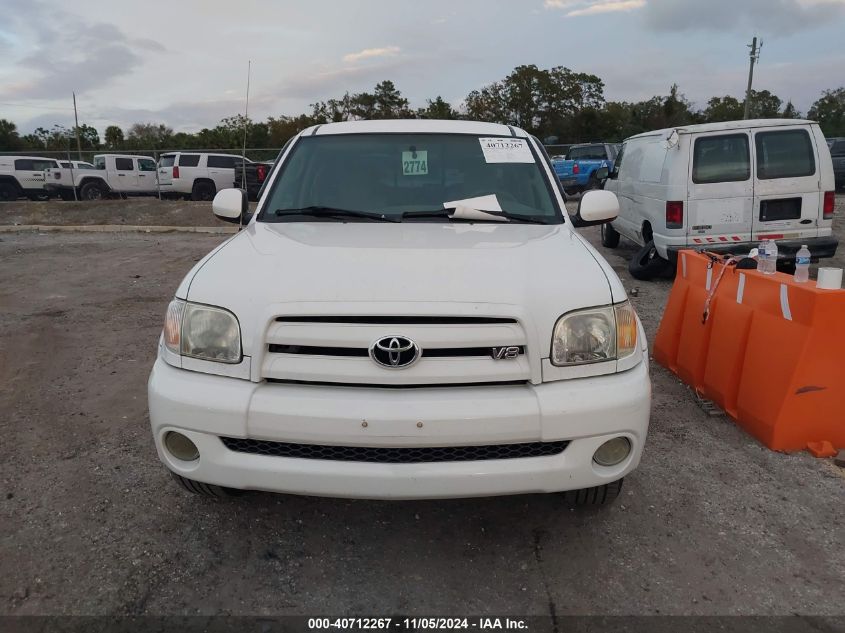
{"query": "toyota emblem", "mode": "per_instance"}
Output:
(395, 352)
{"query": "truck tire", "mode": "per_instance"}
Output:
(609, 236)
(203, 489)
(596, 496)
(93, 191)
(203, 190)
(8, 192)
(646, 264)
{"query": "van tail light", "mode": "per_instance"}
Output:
(675, 214)
(175, 171)
(261, 171)
(576, 169)
(827, 209)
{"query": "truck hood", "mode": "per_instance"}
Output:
(534, 273)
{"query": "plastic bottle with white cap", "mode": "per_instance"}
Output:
(802, 265)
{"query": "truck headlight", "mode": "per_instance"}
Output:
(595, 335)
(201, 331)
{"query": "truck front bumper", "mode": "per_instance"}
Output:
(586, 412)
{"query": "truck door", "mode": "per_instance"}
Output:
(30, 172)
(123, 177)
(147, 175)
(787, 199)
(721, 189)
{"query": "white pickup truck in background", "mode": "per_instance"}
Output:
(64, 174)
(112, 174)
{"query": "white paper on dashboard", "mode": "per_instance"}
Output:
(506, 150)
(479, 208)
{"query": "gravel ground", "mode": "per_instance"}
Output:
(711, 522)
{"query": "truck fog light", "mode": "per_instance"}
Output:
(181, 447)
(612, 451)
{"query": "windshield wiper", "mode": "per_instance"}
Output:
(447, 213)
(319, 211)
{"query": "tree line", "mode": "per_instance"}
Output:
(558, 105)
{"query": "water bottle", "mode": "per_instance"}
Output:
(767, 257)
(802, 264)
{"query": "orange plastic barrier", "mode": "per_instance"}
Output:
(771, 352)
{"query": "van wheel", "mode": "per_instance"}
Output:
(609, 236)
(203, 489)
(646, 264)
(596, 496)
(93, 191)
(203, 190)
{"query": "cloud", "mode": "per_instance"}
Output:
(762, 16)
(65, 53)
(369, 53)
(577, 8)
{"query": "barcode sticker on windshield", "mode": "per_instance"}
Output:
(506, 150)
(415, 163)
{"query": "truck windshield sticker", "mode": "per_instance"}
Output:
(506, 150)
(415, 163)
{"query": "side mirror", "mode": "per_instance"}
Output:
(596, 207)
(231, 205)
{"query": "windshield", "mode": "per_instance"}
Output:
(395, 174)
(588, 152)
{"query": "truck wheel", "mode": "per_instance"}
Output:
(596, 496)
(93, 191)
(8, 192)
(609, 236)
(646, 264)
(205, 490)
(203, 190)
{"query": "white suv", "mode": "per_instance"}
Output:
(196, 175)
(23, 176)
(409, 314)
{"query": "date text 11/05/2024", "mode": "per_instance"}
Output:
(420, 623)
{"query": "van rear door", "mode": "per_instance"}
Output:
(721, 190)
(787, 198)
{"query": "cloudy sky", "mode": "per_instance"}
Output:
(183, 62)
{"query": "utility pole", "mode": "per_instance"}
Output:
(755, 56)
(246, 126)
(76, 121)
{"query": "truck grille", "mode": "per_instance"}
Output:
(395, 455)
(454, 349)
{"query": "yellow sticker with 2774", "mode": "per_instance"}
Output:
(415, 163)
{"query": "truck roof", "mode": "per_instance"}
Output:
(415, 126)
(725, 125)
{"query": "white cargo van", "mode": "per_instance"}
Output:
(409, 314)
(723, 187)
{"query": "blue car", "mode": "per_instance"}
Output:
(578, 172)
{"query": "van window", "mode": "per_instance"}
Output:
(223, 162)
(721, 158)
(124, 164)
(189, 160)
(786, 154)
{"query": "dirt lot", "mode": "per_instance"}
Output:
(711, 523)
(134, 211)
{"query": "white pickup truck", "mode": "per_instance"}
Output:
(55, 177)
(112, 174)
(410, 313)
